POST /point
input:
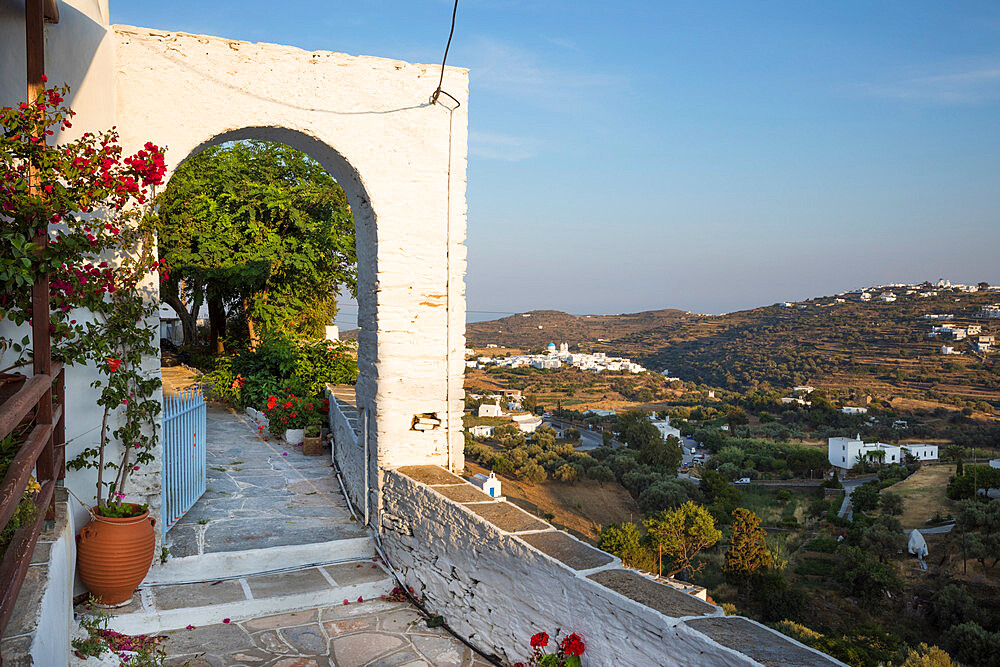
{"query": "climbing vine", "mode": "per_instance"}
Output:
(82, 213)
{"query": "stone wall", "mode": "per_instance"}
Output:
(498, 575)
(40, 627)
(347, 449)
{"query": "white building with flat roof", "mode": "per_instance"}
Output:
(528, 423)
(489, 410)
(852, 410)
(846, 452)
(921, 452)
(481, 431)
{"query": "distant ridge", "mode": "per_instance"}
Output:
(522, 329)
(826, 341)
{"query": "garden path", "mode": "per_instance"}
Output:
(261, 493)
(369, 633)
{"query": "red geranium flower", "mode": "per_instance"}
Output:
(288, 405)
(113, 364)
(540, 640)
(572, 645)
(271, 402)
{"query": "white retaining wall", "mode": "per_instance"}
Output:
(497, 591)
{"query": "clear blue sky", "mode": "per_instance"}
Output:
(710, 156)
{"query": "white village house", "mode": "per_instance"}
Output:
(481, 430)
(844, 453)
(489, 410)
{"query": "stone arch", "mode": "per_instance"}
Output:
(401, 160)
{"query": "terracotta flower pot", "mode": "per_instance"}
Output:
(312, 446)
(114, 555)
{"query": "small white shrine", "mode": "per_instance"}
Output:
(490, 485)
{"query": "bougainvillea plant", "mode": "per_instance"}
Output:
(94, 205)
(568, 652)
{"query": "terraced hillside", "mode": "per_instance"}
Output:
(864, 346)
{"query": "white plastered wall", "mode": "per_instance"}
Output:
(402, 162)
(79, 52)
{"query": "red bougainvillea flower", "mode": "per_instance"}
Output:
(271, 402)
(225, 620)
(113, 364)
(572, 645)
(540, 640)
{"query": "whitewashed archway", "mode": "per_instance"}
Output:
(401, 160)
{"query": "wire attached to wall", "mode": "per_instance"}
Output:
(439, 91)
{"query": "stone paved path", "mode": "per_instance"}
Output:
(367, 634)
(260, 493)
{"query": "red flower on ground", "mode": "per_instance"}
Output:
(572, 645)
(540, 640)
(113, 364)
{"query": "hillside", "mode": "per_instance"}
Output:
(540, 327)
(871, 347)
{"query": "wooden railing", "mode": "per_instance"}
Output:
(41, 451)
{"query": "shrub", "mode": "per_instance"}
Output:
(815, 567)
(927, 656)
(973, 645)
(822, 544)
(532, 472)
(798, 631)
(861, 575)
(601, 473)
(566, 473)
(775, 599)
(281, 363)
(665, 494)
(953, 605)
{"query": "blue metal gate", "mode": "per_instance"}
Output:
(184, 454)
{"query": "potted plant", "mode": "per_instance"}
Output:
(100, 202)
(312, 443)
(287, 418)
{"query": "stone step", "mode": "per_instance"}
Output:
(155, 609)
(214, 565)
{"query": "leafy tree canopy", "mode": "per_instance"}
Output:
(682, 533)
(262, 230)
(748, 552)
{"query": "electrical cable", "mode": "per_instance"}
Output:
(439, 90)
